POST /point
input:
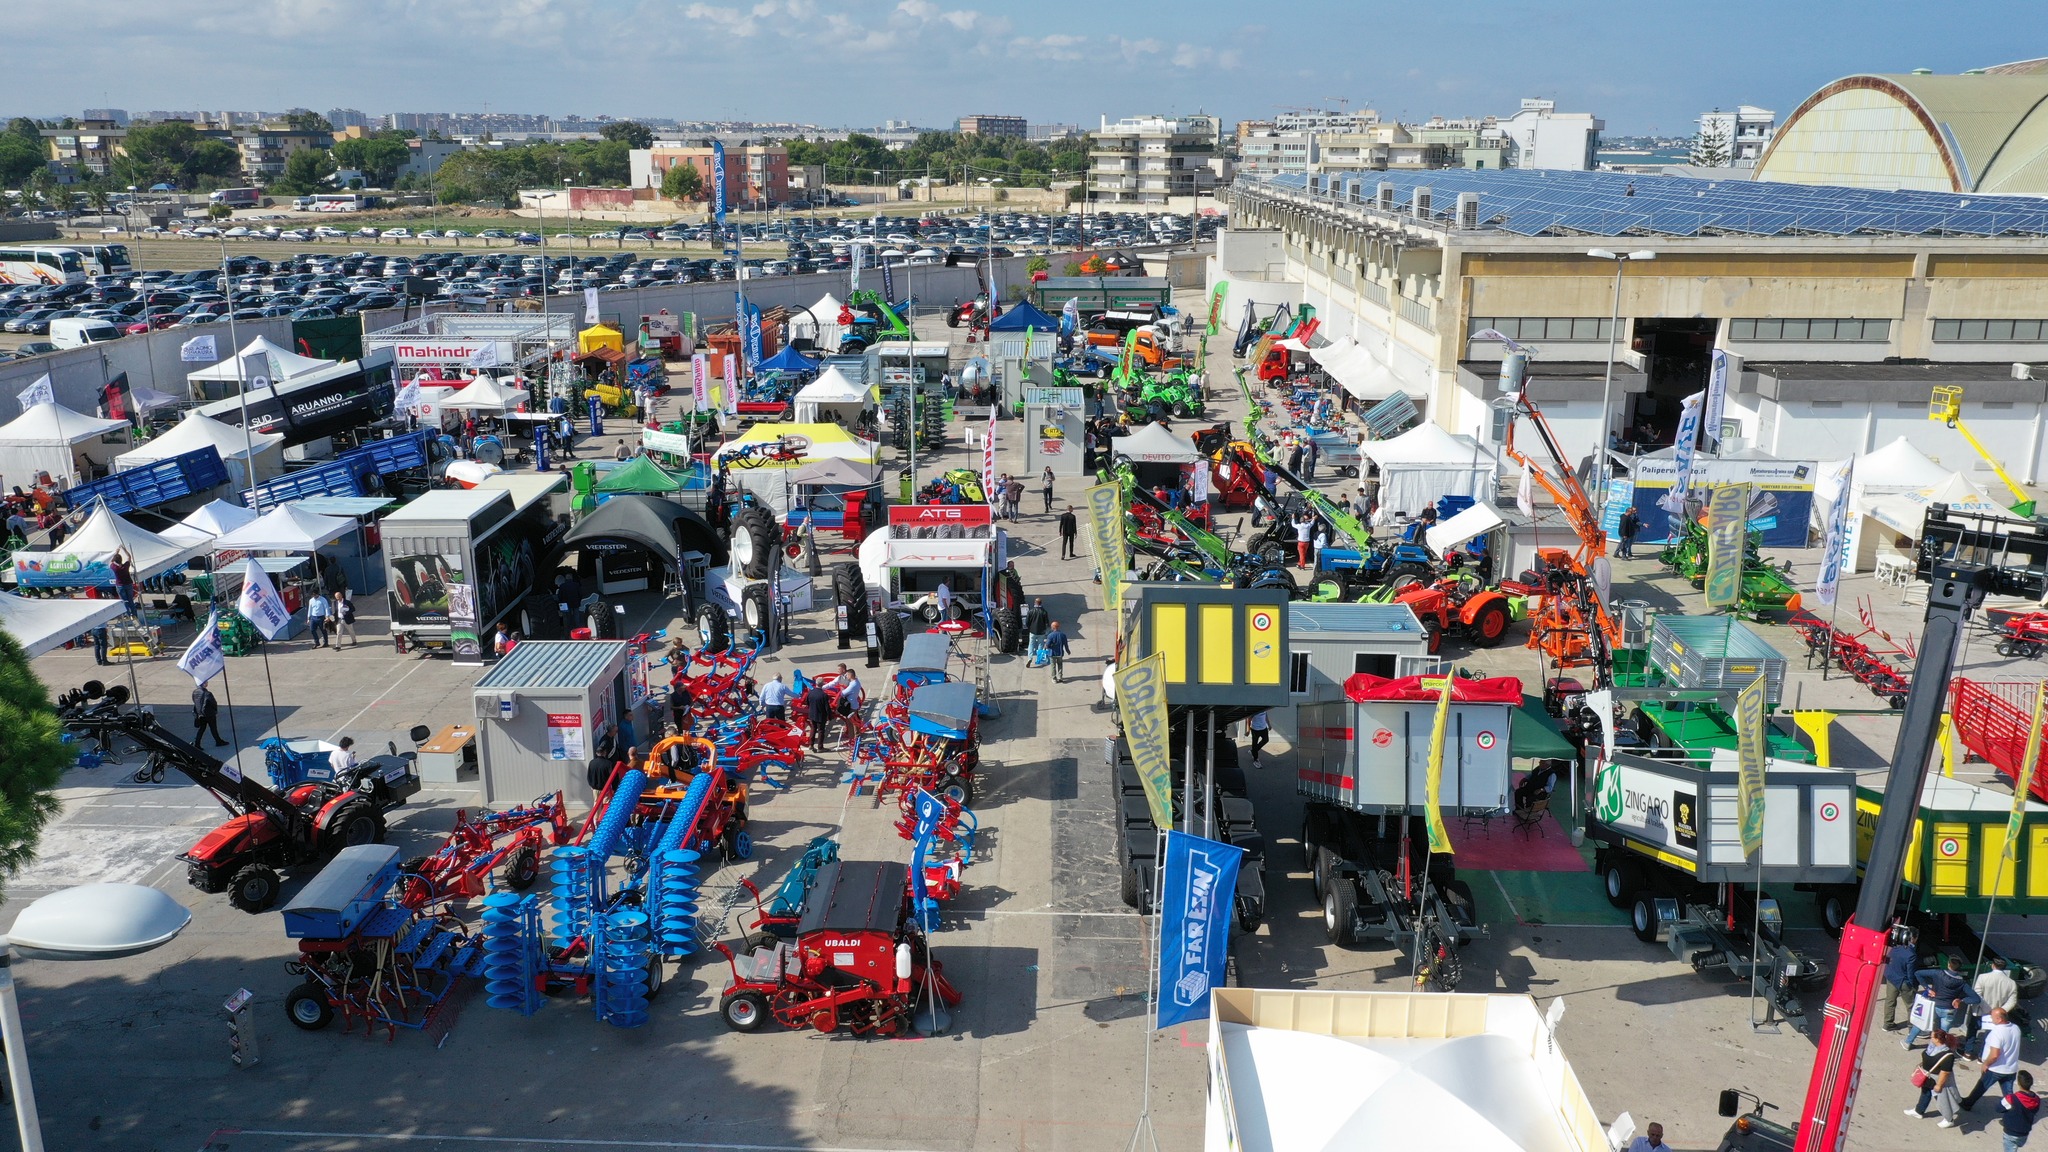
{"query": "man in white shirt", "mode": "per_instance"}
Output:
(343, 758)
(2001, 1058)
(775, 699)
(1650, 1141)
(945, 595)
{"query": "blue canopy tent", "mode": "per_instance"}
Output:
(791, 361)
(1024, 316)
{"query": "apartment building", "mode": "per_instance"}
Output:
(1150, 159)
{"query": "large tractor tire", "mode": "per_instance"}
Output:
(354, 824)
(850, 590)
(254, 888)
(754, 540)
(1009, 630)
(890, 630)
(1489, 624)
(714, 631)
(756, 609)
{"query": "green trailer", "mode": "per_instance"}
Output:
(1694, 654)
(1098, 294)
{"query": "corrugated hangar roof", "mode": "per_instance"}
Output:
(1981, 131)
(1529, 202)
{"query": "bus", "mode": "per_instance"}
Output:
(41, 266)
(337, 202)
(100, 259)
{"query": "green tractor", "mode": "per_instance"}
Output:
(1174, 394)
(875, 321)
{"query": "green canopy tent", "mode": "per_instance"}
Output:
(1533, 735)
(641, 475)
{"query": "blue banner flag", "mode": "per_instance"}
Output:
(718, 182)
(752, 337)
(596, 416)
(930, 810)
(1195, 904)
(1685, 450)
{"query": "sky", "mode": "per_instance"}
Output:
(1642, 65)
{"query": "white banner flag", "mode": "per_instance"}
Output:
(1201, 489)
(590, 305)
(700, 380)
(988, 455)
(40, 392)
(199, 350)
(1830, 580)
(205, 659)
(732, 384)
(408, 397)
(261, 603)
(485, 356)
(1525, 493)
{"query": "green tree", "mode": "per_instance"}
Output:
(1037, 264)
(174, 153)
(212, 161)
(682, 183)
(377, 157)
(27, 129)
(19, 159)
(631, 133)
(98, 196)
(300, 120)
(495, 174)
(35, 761)
(218, 211)
(305, 172)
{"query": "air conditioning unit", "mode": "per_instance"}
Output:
(499, 706)
(1385, 197)
(1468, 209)
(1420, 205)
(2022, 371)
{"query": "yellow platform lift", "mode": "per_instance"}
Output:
(1947, 407)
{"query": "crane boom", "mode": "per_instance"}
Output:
(1565, 625)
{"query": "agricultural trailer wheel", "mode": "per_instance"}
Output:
(958, 789)
(744, 1011)
(307, 1006)
(756, 609)
(1340, 907)
(521, 869)
(1642, 917)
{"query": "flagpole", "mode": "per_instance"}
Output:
(1155, 944)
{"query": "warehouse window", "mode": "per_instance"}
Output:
(1824, 331)
(1990, 331)
(1297, 673)
(1529, 329)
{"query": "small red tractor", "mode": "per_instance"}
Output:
(1459, 605)
(508, 843)
(855, 959)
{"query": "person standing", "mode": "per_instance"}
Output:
(679, 701)
(1293, 459)
(1304, 527)
(1310, 454)
(1952, 996)
(1070, 527)
(2001, 1058)
(317, 610)
(2019, 1110)
(1651, 1141)
(206, 716)
(775, 699)
(817, 714)
(1995, 989)
(1045, 487)
(344, 618)
(1056, 652)
(1037, 623)
(1901, 959)
(100, 645)
(1631, 524)
(1260, 509)
(123, 570)
(1016, 494)
(1261, 728)
(1938, 1084)
(944, 595)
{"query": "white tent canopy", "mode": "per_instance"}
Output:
(487, 395)
(279, 364)
(1153, 444)
(835, 392)
(287, 529)
(1896, 468)
(198, 431)
(1426, 462)
(54, 426)
(105, 533)
(40, 625)
(218, 518)
(1474, 521)
(1905, 513)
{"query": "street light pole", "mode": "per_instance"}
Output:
(1606, 431)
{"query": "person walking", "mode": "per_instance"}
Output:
(1952, 996)
(1261, 728)
(1260, 509)
(1045, 488)
(817, 714)
(1938, 1079)
(344, 618)
(1070, 528)
(1016, 495)
(775, 699)
(317, 610)
(1304, 527)
(1902, 958)
(2020, 1108)
(1037, 623)
(1056, 652)
(2001, 1059)
(206, 716)
(1995, 989)
(100, 645)
(1631, 524)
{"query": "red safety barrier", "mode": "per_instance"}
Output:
(1991, 720)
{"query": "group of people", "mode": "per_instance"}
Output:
(1965, 1022)
(1008, 495)
(839, 696)
(328, 618)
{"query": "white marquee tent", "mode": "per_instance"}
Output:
(105, 533)
(1153, 444)
(197, 431)
(1904, 514)
(278, 364)
(1426, 462)
(833, 393)
(40, 625)
(52, 438)
(486, 394)
(287, 529)
(1894, 469)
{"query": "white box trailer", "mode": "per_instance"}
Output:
(1373, 756)
(1683, 816)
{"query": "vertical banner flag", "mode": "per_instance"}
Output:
(732, 384)
(40, 392)
(1070, 316)
(1727, 528)
(1749, 754)
(2023, 788)
(205, 659)
(1141, 708)
(700, 380)
(199, 350)
(1683, 448)
(859, 257)
(888, 279)
(462, 629)
(718, 182)
(1196, 897)
(1433, 808)
(590, 305)
(1106, 525)
(1837, 539)
(408, 398)
(596, 415)
(751, 342)
(260, 603)
(1717, 398)
(1525, 492)
(929, 812)
(1216, 305)
(988, 457)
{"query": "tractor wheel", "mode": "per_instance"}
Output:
(753, 542)
(890, 631)
(353, 824)
(521, 869)
(958, 789)
(744, 1011)
(604, 623)
(714, 631)
(1642, 917)
(1413, 573)
(1340, 905)
(755, 609)
(1009, 631)
(1273, 554)
(1489, 625)
(850, 591)
(307, 1007)
(1133, 887)
(1436, 634)
(254, 888)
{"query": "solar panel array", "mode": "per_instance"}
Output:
(1544, 203)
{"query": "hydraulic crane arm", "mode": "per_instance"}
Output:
(236, 792)
(1947, 407)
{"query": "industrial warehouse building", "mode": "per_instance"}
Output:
(1841, 309)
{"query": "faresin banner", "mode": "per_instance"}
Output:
(1197, 894)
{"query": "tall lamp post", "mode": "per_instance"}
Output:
(1621, 261)
(89, 922)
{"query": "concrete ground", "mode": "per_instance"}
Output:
(1049, 1049)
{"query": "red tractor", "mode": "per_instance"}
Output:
(1461, 605)
(855, 960)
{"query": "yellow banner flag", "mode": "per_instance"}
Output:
(1727, 531)
(1141, 706)
(1106, 533)
(1439, 837)
(2022, 788)
(1749, 754)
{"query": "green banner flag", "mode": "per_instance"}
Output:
(1749, 752)
(2022, 788)
(1106, 533)
(1141, 706)
(1727, 528)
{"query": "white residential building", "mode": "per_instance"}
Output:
(1744, 134)
(1543, 137)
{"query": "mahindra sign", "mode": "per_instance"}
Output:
(420, 353)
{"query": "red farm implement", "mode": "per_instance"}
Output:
(508, 843)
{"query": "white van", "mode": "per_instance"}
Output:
(78, 332)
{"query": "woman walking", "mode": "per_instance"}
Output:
(1937, 1079)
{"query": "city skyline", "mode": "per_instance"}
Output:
(1645, 70)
